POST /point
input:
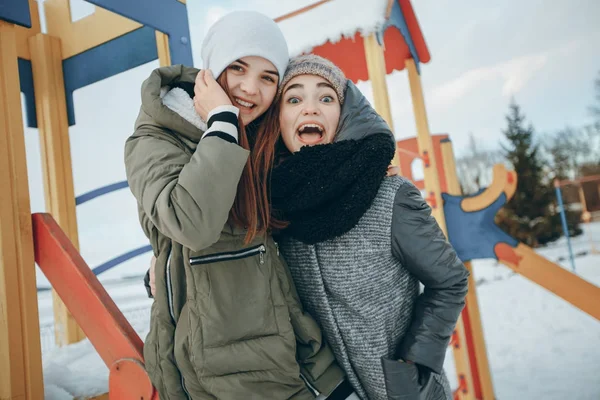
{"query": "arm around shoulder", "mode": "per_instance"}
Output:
(421, 246)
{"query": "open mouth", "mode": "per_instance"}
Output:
(311, 133)
(244, 105)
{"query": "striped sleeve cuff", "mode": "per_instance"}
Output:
(223, 122)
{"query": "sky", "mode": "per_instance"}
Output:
(543, 54)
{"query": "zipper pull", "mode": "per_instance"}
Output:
(276, 246)
(262, 250)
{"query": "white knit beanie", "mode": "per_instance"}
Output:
(242, 34)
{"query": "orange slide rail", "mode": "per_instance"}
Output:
(108, 330)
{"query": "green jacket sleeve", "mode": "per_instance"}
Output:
(419, 243)
(187, 199)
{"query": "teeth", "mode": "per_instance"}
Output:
(303, 127)
(243, 103)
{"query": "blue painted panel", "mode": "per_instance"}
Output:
(111, 58)
(474, 234)
(100, 191)
(26, 83)
(121, 259)
(16, 12)
(167, 16)
(397, 20)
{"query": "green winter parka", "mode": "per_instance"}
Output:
(226, 322)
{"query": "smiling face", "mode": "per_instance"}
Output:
(309, 113)
(252, 81)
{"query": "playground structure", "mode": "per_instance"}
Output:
(47, 68)
(588, 193)
(50, 66)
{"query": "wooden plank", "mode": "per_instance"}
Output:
(46, 62)
(23, 34)
(296, 12)
(20, 348)
(376, 67)
(434, 197)
(108, 330)
(162, 46)
(430, 172)
(482, 379)
(86, 33)
(551, 276)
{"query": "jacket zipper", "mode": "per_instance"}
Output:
(231, 255)
(310, 387)
(171, 308)
(169, 286)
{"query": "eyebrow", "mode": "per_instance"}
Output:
(245, 64)
(294, 86)
(325, 84)
(301, 86)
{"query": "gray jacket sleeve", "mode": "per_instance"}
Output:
(419, 243)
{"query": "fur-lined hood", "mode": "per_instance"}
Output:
(167, 102)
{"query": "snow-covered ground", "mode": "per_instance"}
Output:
(539, 346)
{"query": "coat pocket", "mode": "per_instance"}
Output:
(239, 303)
(404, 382)
(435, 387)
(401, 380)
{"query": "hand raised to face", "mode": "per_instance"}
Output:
(208, 94)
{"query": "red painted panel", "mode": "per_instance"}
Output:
(411, 151)
(415, 31)
(349, 55)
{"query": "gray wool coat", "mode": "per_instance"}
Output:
(363, 287)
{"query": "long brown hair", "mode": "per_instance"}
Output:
(252, 207)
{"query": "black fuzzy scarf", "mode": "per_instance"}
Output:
(324, 190)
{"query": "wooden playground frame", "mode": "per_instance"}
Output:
(52, 241)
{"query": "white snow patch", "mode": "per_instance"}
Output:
(332, 21)
(539, 346)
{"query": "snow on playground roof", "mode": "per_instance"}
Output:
(330, 21)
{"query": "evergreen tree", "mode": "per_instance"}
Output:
(528, 215)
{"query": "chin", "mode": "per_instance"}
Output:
(246, 120)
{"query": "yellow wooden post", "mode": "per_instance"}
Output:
(434, 195)
(21, 374)
(162, 45)
(431, 179)
(377, 74)
(582, 199)
(46, 61)
(465, 391)
(472, 304)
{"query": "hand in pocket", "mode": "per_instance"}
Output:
(401, 379)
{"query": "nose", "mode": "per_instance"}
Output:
(249, 86)
(310, 109)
